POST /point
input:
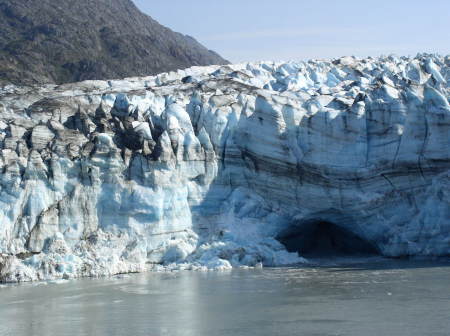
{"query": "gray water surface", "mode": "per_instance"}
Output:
(379, 298)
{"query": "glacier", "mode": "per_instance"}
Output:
(206, 168)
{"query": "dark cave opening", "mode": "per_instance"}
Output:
(325, 239)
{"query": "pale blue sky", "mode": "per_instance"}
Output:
(245, 30)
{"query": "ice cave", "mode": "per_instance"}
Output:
(323, 238)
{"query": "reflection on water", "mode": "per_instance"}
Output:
(377, 298)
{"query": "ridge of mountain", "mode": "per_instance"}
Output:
(48, 41)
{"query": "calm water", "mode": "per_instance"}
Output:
(380, 298)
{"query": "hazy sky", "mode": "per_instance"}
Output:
(244, 30)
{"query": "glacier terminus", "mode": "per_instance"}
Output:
(223, 166)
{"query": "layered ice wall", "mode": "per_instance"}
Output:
(207, 167)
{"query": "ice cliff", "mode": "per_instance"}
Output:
(206, 167)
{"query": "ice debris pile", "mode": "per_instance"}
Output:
(203, 168)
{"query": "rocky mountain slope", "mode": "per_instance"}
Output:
(51, 41)
(214, 167)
